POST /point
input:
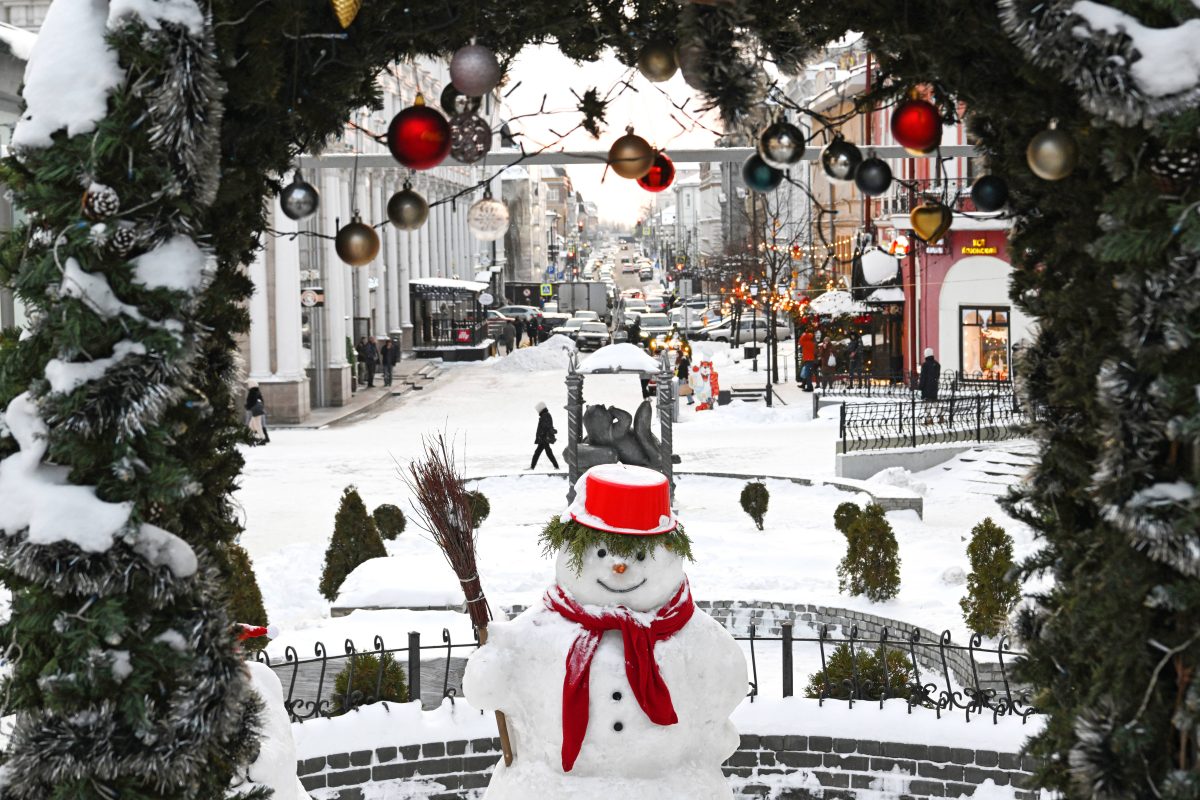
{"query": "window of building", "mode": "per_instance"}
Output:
(984, 350)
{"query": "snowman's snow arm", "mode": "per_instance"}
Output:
(488, 680)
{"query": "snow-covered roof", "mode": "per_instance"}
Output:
(622, 357)
(888, 294)
(19, 41)
(449, 283)
(836, 302)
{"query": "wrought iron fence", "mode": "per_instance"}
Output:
(904, 384)
(914, 422)
(907, 195)
(937, 675)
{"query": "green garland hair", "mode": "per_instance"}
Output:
(578, 538)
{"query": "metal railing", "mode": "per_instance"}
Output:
(914, 422)
(904, 384)
(938, 675)
(907, 195)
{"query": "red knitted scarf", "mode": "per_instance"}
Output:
(640, 667)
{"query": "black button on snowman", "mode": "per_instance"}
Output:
(619, 622)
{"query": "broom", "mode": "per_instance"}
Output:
(444, 511)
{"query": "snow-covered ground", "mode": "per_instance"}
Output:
(290, 492)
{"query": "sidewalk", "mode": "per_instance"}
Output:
(363, 400)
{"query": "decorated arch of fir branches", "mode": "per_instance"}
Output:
(125, 678)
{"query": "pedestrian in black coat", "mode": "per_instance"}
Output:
(388, 354)
(371, 357)
(256, 414)
(509, 336)
(545, 436)
(931, 373)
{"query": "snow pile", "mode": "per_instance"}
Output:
(155, 12)
(93, 289)
(878, 267)
(396, 582)
(58, 93)
(900, 478)
(551, 354)
(1170, 61)
(177, 264)
(38, 496)
(275, 767)
(391, 725)
(836, 302)
(361, 628)
(623, 356)
(65, 376)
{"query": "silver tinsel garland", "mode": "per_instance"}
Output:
(1097, 63)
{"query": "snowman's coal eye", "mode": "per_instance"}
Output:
(601, 553)
(641, 556)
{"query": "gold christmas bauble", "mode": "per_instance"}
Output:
(631, 156)
(1052, 154)
(930, 221)
(357, 243)
(657, 61)
(346, 10)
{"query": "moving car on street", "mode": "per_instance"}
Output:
(592, 336)
(569, 328)
(655, 327)
(750, 329)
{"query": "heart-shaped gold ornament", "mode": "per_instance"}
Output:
(930, 221)
(346, 11)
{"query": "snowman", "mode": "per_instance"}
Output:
(616, 685)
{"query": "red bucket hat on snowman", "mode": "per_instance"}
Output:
(623, 499)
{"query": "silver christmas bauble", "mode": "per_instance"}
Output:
(299, 199)
(488, 219)
(1052, 154)
(657, 61)
(407, 210)
(474, 70)
(470, 137)
(781, 145)
(840, 159)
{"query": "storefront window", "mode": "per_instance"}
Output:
(983, 343)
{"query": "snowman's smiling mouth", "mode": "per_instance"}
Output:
(620, 591)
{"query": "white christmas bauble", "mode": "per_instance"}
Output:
(878, 267)
(644, 583)
(488, 219)
(474, 70)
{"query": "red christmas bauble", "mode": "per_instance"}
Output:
(419, 136)
(660, 176)
(917, 125)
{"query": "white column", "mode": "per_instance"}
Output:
(335, 293)
(379, 265)
(408, 241)
(289, 365)
(260, 319)
(361, 203)
(393, 265)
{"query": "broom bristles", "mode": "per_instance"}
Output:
(443, 510)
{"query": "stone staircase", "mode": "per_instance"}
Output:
(992, 470)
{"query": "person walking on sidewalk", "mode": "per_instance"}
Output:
(371, 358)
(360, 350)
(387, 360)
(545, 436)
(509, 335)
(683, 371)
(256, 414)
(927, 383)
(808, 360)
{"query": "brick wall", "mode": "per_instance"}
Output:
(763, 768)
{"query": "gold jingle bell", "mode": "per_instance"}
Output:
(930, 221)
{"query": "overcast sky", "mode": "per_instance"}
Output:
(544, 71)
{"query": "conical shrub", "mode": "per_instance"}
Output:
(241, 587)
(992, 587)
(355, 540)
(871, 566)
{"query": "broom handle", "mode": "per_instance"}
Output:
(501, 722)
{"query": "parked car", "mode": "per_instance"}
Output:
(550, 308)
(592, 336)
(495, 323)
(590, 316)
(519, 312)
(751, 330)
(569, 328)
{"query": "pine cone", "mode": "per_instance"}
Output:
(1176, 170)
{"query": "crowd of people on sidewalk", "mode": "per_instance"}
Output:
(821, 359)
